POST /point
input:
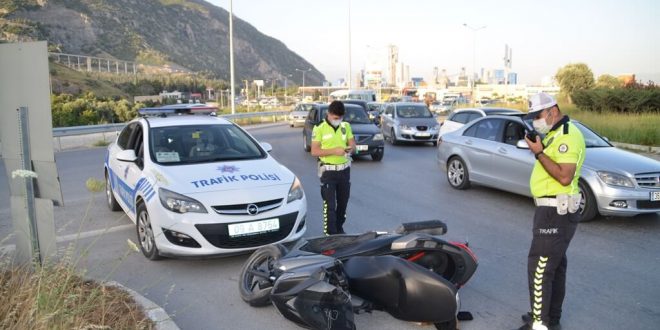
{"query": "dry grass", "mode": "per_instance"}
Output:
(55, 297)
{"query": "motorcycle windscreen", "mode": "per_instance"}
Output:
(404, 289)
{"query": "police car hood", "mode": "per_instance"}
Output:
(250, 175)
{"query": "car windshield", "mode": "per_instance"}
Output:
(591, 139)
(191, 144)
(353, 115)
(413, 111)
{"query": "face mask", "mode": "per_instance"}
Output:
(335, 123)
(541, 125)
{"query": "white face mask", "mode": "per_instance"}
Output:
(335, 123)
(541, 126)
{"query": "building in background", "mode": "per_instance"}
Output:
(392, 65)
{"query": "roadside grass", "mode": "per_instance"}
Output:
(56, 295)
(634, 128)
(101, 143)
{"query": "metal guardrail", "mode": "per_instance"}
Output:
(105, 128)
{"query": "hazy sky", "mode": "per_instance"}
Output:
(611, 36)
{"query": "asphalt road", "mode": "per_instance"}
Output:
(614, 264)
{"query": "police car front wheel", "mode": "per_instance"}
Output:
(112, 202)
(146, 233)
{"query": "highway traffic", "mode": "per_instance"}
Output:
(614, 263)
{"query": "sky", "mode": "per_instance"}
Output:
(611, 36)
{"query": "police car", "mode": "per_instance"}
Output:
(199, 185)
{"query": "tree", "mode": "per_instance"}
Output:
(608, 81)
(574, 77)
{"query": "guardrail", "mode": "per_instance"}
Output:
(105, 128)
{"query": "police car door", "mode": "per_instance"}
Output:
(128, 173)
(480, 141)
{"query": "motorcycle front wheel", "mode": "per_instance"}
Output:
(254, 283)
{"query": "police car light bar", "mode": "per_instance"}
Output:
(173, 109)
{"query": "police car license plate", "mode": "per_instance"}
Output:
(362, 147)
(655, 196)
(423, 134)
(253, 227)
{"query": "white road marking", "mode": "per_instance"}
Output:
(66, 238)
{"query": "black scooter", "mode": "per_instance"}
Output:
(412, 274)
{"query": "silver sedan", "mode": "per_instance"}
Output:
(491, 151)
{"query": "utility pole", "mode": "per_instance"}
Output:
(474, 55)
(231, 55)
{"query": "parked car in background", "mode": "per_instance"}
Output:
(368, 139)
(491, 151)
(406, 121)
(375, 110)
(299, 114)
(460, 117)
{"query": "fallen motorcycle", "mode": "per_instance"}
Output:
(412, 274)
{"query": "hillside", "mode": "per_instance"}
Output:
(192, 34)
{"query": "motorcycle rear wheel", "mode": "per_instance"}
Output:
(260, 261)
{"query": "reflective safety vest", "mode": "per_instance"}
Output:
(330, 138)
(563, 144)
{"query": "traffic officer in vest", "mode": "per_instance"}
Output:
(554, 185)
(333, 143)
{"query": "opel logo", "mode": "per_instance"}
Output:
(252, 209)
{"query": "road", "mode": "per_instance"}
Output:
(614, 265)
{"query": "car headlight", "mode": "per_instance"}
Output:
(179, 203)
(296, 191)
(614, 179)
(404, 127)
(435, 128)
(378, 137)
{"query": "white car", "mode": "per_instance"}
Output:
(458, 118)
(199, 185)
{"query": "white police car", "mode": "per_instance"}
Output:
(199, 185)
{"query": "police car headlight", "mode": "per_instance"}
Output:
(378, 137)
(296, 191)
(179, 203)
(614, 179)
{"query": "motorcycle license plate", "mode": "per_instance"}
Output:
(655, 196)
(253, 227)
(362, 147)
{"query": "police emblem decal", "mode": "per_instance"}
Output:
(563, 148)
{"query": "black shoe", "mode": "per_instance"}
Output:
(527, 318)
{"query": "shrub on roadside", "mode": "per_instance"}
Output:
(620, 100)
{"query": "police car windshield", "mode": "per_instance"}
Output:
(177, 145)
(413, 111)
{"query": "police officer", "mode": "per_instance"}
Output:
(333, 143)
(554, 185)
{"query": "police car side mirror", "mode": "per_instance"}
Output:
(127, 155)
(266, 146)
(522, 144)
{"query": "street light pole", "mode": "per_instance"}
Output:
(286, 77)
(350, 69)
(231, 55)
(303, 82)
(474, 54)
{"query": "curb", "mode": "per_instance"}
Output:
(154, 312)
(647, 149)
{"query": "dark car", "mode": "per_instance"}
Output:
(368, 138)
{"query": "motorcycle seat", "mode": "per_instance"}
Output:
(431, 227)
(334, 242)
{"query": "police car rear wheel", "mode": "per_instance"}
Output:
(588, 208)
(457, 174)
(112, 202)
(146, 234)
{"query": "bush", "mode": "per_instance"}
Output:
(620, 100)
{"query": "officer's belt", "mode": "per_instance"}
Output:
(339, 167)
(545, 201)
